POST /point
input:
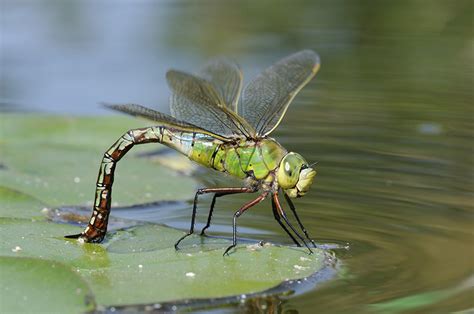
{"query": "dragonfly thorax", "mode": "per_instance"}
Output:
(294, 175)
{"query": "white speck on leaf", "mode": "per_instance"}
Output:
(299, 267)
(190, 274)
(16, 249)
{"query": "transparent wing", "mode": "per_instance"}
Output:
(226, 78)
(195, 100)
(266, 98)
(161, 118)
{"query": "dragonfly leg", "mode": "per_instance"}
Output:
(278, 219)
(281, 212)
(293, 209)
(223, 192)
(217, 191)
(238, 214)
(97, 226)
(193, 216)
(211, 210)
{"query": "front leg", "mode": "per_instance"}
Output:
(282, 214)
(276, 214)
(97, 226)
(293, 209)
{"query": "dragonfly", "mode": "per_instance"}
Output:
(220, 125)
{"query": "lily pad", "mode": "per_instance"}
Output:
(134, 265)
(140, 264)
(12, 200)
(32, 285)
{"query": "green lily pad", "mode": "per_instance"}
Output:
(32, 285)
(140, 264)
(12, 200)
(134, 265)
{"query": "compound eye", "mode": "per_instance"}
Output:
(292, 171)
(288, 174)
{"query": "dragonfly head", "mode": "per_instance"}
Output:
(294, 175)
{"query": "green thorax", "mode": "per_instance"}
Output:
(241, 159)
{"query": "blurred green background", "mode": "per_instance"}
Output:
(389, 118)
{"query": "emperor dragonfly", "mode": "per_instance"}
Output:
(210, 126)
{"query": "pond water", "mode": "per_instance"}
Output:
(389, 119)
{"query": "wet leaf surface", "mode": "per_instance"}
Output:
(140, 264)
(11, 200)
(34, 285)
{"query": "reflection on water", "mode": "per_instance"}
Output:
(388, 118)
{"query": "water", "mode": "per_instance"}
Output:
(388, 118)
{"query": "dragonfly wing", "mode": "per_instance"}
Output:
(161, 118)
(226, 78)
(195, 100)
(266, 98)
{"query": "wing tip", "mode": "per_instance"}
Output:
(220, 60)
(314, 57)
(111, 106)
(107, 104)
(311, 54)
(130, 109)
